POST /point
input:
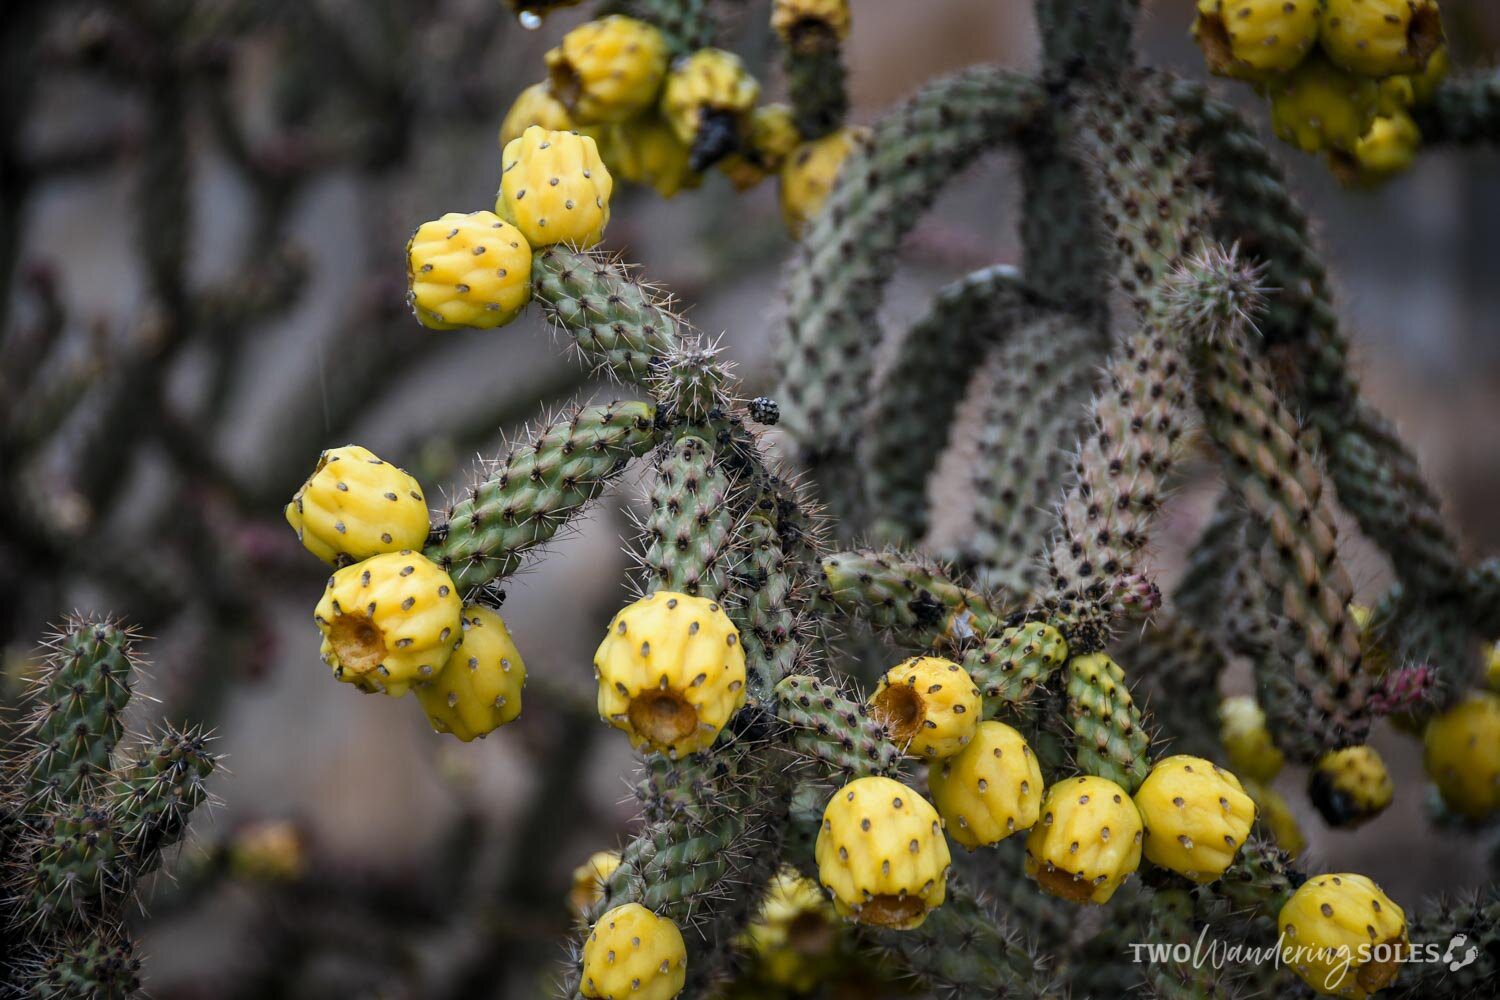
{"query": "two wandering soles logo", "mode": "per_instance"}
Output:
(1340, 971)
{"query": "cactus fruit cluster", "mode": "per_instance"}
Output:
(817, 720)
(87, 812)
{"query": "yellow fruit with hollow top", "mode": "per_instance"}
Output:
(930, 706)
(1342, 935)
(609, 69)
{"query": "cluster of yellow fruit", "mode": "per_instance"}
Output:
(1341, 75)
(661, 122)
(392, 620)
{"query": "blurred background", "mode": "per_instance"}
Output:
(205, 205)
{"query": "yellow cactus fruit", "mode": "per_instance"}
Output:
(770, 137)
(1318, 106)
(671, 672)
(480, 689)
(536, 105)
(1388, 148)
(794, 936)
(1087, 842)
(882, 855)
(1462, 755)
(469, 270)
(647, 151)
(808, 174)
(1255, 39)
(1492, 667)
(1425, 83)
(1247, 742)
(389, 622)
(1196, 815)
(1372, 651)
(632, 954)
(793, 19)
(929, 705)
(1350, 786)
(1397, 93)
(268, 851)
(354, 506)
(608, 70)
(1275, 815)
(706, 96)
(1342, 935)
(990, 789)
(1381, 37)
(589, 880)
(554, 188)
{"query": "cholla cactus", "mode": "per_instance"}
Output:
(87, 814)
(1138, 182)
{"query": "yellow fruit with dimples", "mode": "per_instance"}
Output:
(554, 188)
(1255, 39)
(469, 270)
(990, 789)
(609, 69)
(794, 938)
(791, 19)
(1087, 842)
(1389, 147)
(1342, 935)
(632, 954)
(480, 688)
(1247, 742)
(930, 706)
(536, 105)
(1462, 755)
(389, 622)
(671, 672)
(590, 879)
(1380, 37)
(882, 855)
(1196, 817)
(1318, 106)
(647, 151)
(1350, 786)
(354, 505)
(808, 175)
(708, 83)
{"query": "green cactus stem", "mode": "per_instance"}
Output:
(1259, 882)
(1109, 738)
(1463, 111)
(537, 488)
(768, 626)
(905, 598)
(1438, 925)
(98, 965)
(691, 526)
(688, 25)
(1009, 668)
(815, 79)
(834, 729)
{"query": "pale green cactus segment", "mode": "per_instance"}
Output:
(816, 83)
(1109, 738)
(834, 729)
(537, 488)
(1260, 881)
(692, 524)
(617, 323)
(688, 25)
(155, 794)
(905, 597)
(1011, 668)
(98, 964)
(768, 624)
(1464, 110)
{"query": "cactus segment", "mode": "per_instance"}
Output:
(1010, 667)
(691, 527)
(618, 323)
(905, 597)
(1110, 739)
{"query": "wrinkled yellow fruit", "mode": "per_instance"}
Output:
(554, 188)
(480, 689)
(1396, 94)
(671, 672)
(708, 81)
(1342, 936)
(354, 506)
(1247, 742)
(608, 70)
(632, 954)
(590, 879)
(389, 622)
(1318, 106)
(793, 937)
(469, 270)
(1196, 816)
(1087, 842)
(1275, 815)
(1350, 786)
(536, 105)
(791, 18)
(1425, 83)
(1462, 755)
(1390, 147)
(1255, 39)
(882, 855)
(770, 137)
(647, 151)
(1381, 37)
(990, 789)
(268, 851)
(808, 175)
(930, 706)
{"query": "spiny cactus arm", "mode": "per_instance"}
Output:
(688, 24)
(966, 948)
(764, 611)
(1179, 667)
(835, 730)
(1110, 738)
(1043, 378)
(77, 716)
(906, 597)
(1460, 929)
(72, 870)
(98, 964)
(153, 797)
(1259, 882)
(617, 322)
(1011, 668)
(840, 269)
(537, 488)
(917, 394)
(815, 79)
(1090, 34)
(1151, 200)
(1484, 590)
(1173, 920)
(1465, 110)
(690, 530)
